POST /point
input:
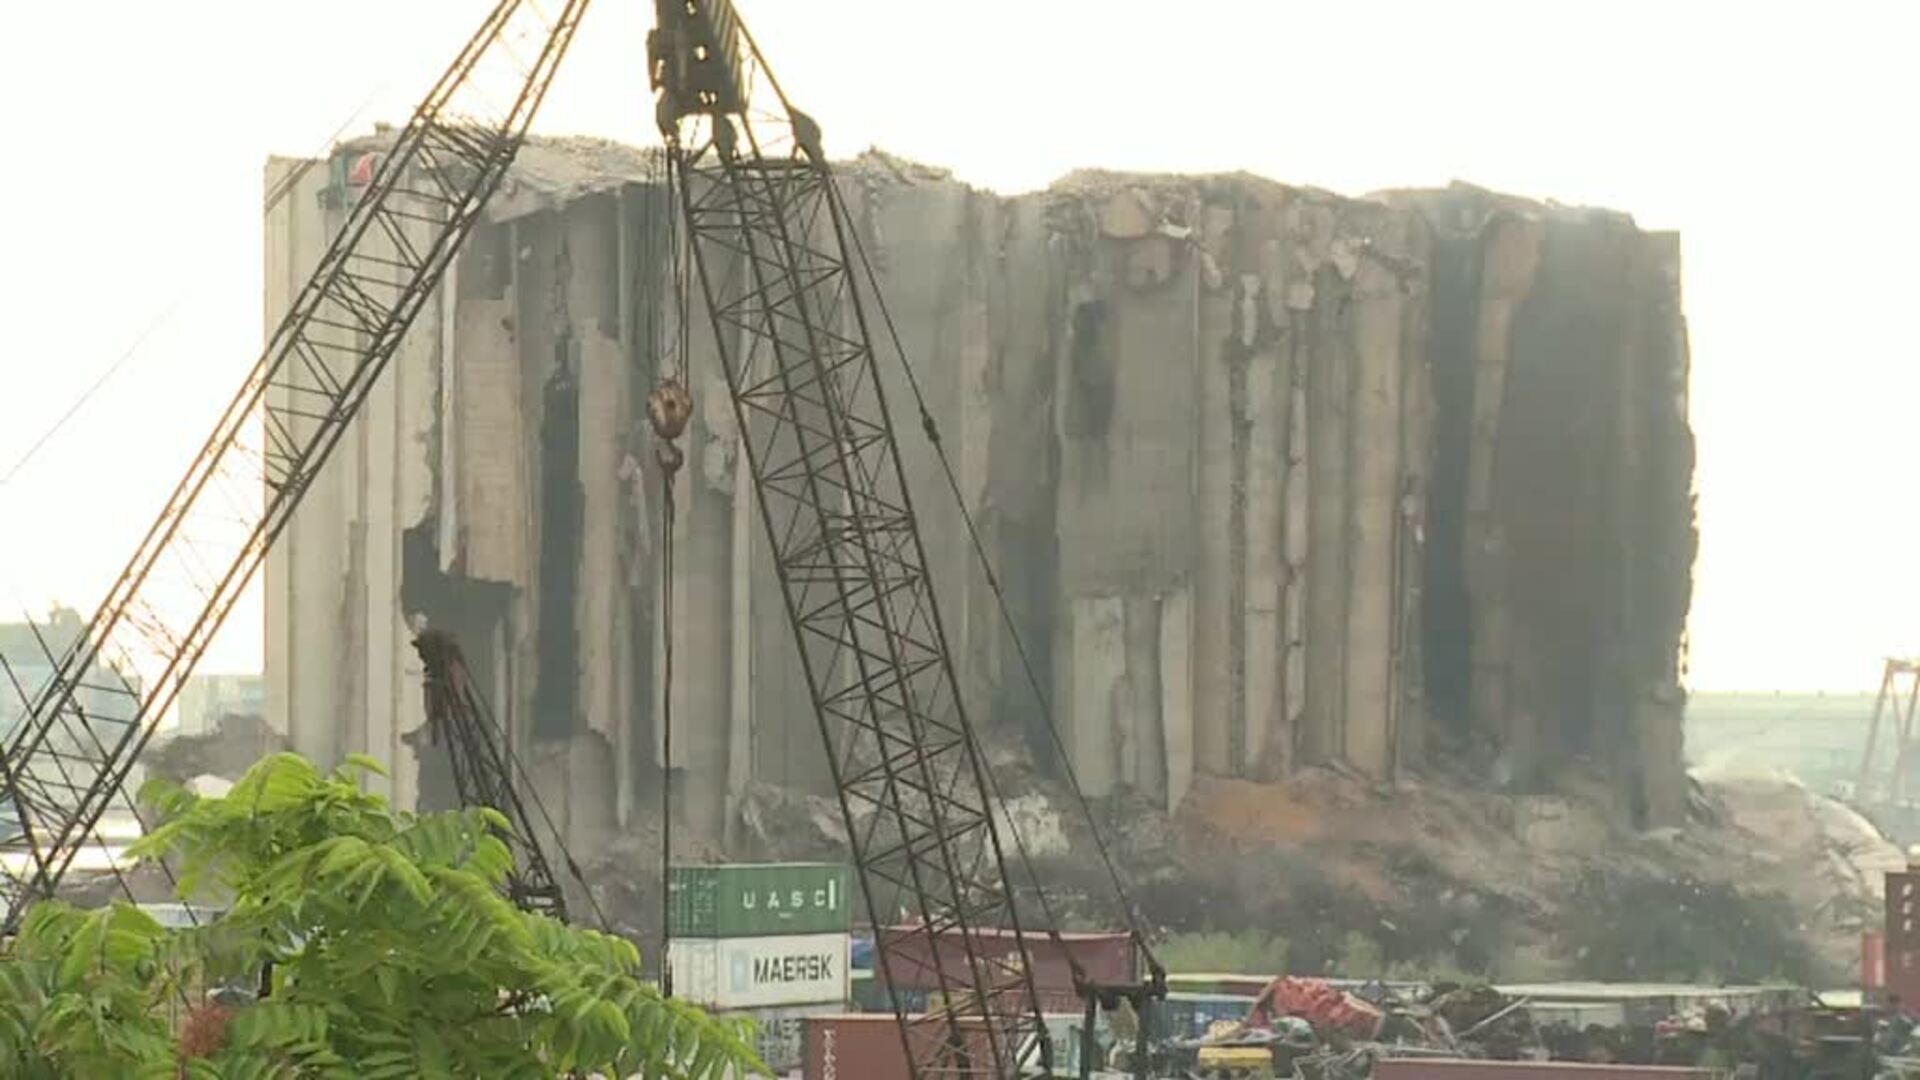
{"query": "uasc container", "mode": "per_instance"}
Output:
(747, 973)
(734, 900)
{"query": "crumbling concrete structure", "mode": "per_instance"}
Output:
(1268, 476)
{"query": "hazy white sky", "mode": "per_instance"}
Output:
(1776, 137)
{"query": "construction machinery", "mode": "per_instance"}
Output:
(73, 751)
(795, 323)
(796, 316)
(460, 722)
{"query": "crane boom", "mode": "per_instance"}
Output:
(770, 239)
(458, 718)
(80, 739)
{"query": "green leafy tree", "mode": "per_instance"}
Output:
(390, 948)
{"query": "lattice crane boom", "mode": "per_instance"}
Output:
(770, 240)
(459, 720)
(80, 739)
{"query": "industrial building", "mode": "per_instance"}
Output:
(1269, 477)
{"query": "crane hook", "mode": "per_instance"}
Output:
(669, 407)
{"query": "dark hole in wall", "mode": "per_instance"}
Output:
(486, 263)
(472, 611)
(1022, 514)
(1557, 462)
(1029, 578)
(1090, 367)
(1446, 613)
(555, 715)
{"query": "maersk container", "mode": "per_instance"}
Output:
(760, 972)
(738, 900)
(779, 1032)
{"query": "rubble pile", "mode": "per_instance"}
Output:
(1319, 1030)
(1433, 878)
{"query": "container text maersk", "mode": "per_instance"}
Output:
(754, 972)
(805, 967)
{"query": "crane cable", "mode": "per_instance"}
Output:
(669, 407)
(932, 431)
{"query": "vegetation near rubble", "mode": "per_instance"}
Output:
(1248, 952)
(1658, 929)
(392, 953)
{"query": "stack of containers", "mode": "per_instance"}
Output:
(765, 940)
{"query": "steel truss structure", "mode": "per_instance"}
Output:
(1898, 705)
(770, 239)
(458, 719)
(74, 751)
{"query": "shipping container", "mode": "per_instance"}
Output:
(1247, 986)
(1188, 1016)
(756, 972)
(1064, 1029)
(781, 1032)
(737, 900)
(868, 995)
(1873, 960)
(1106, 958)
(1447, 1069)
(861, 1046)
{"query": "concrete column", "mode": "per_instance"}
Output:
(1143, 762)
(1373, 456)
(1263, 652)
(307, 595)
(1409, 710)
(740, 719)
(1176, 690)
(1511, 262)
(1220, 736)
(291, 246)
(377, 449)
(1099, 657)
(1297, 518)
(1329, 400)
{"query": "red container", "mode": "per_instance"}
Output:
(1900, 950)
(866, 1046)
(1873, 960)
(1442, 1069)
(1106, 958)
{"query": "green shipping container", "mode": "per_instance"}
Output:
(730, 900)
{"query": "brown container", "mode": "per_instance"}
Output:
(1900, 955)
(1443, 1069)
(864, 1046)
(1106, 958)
